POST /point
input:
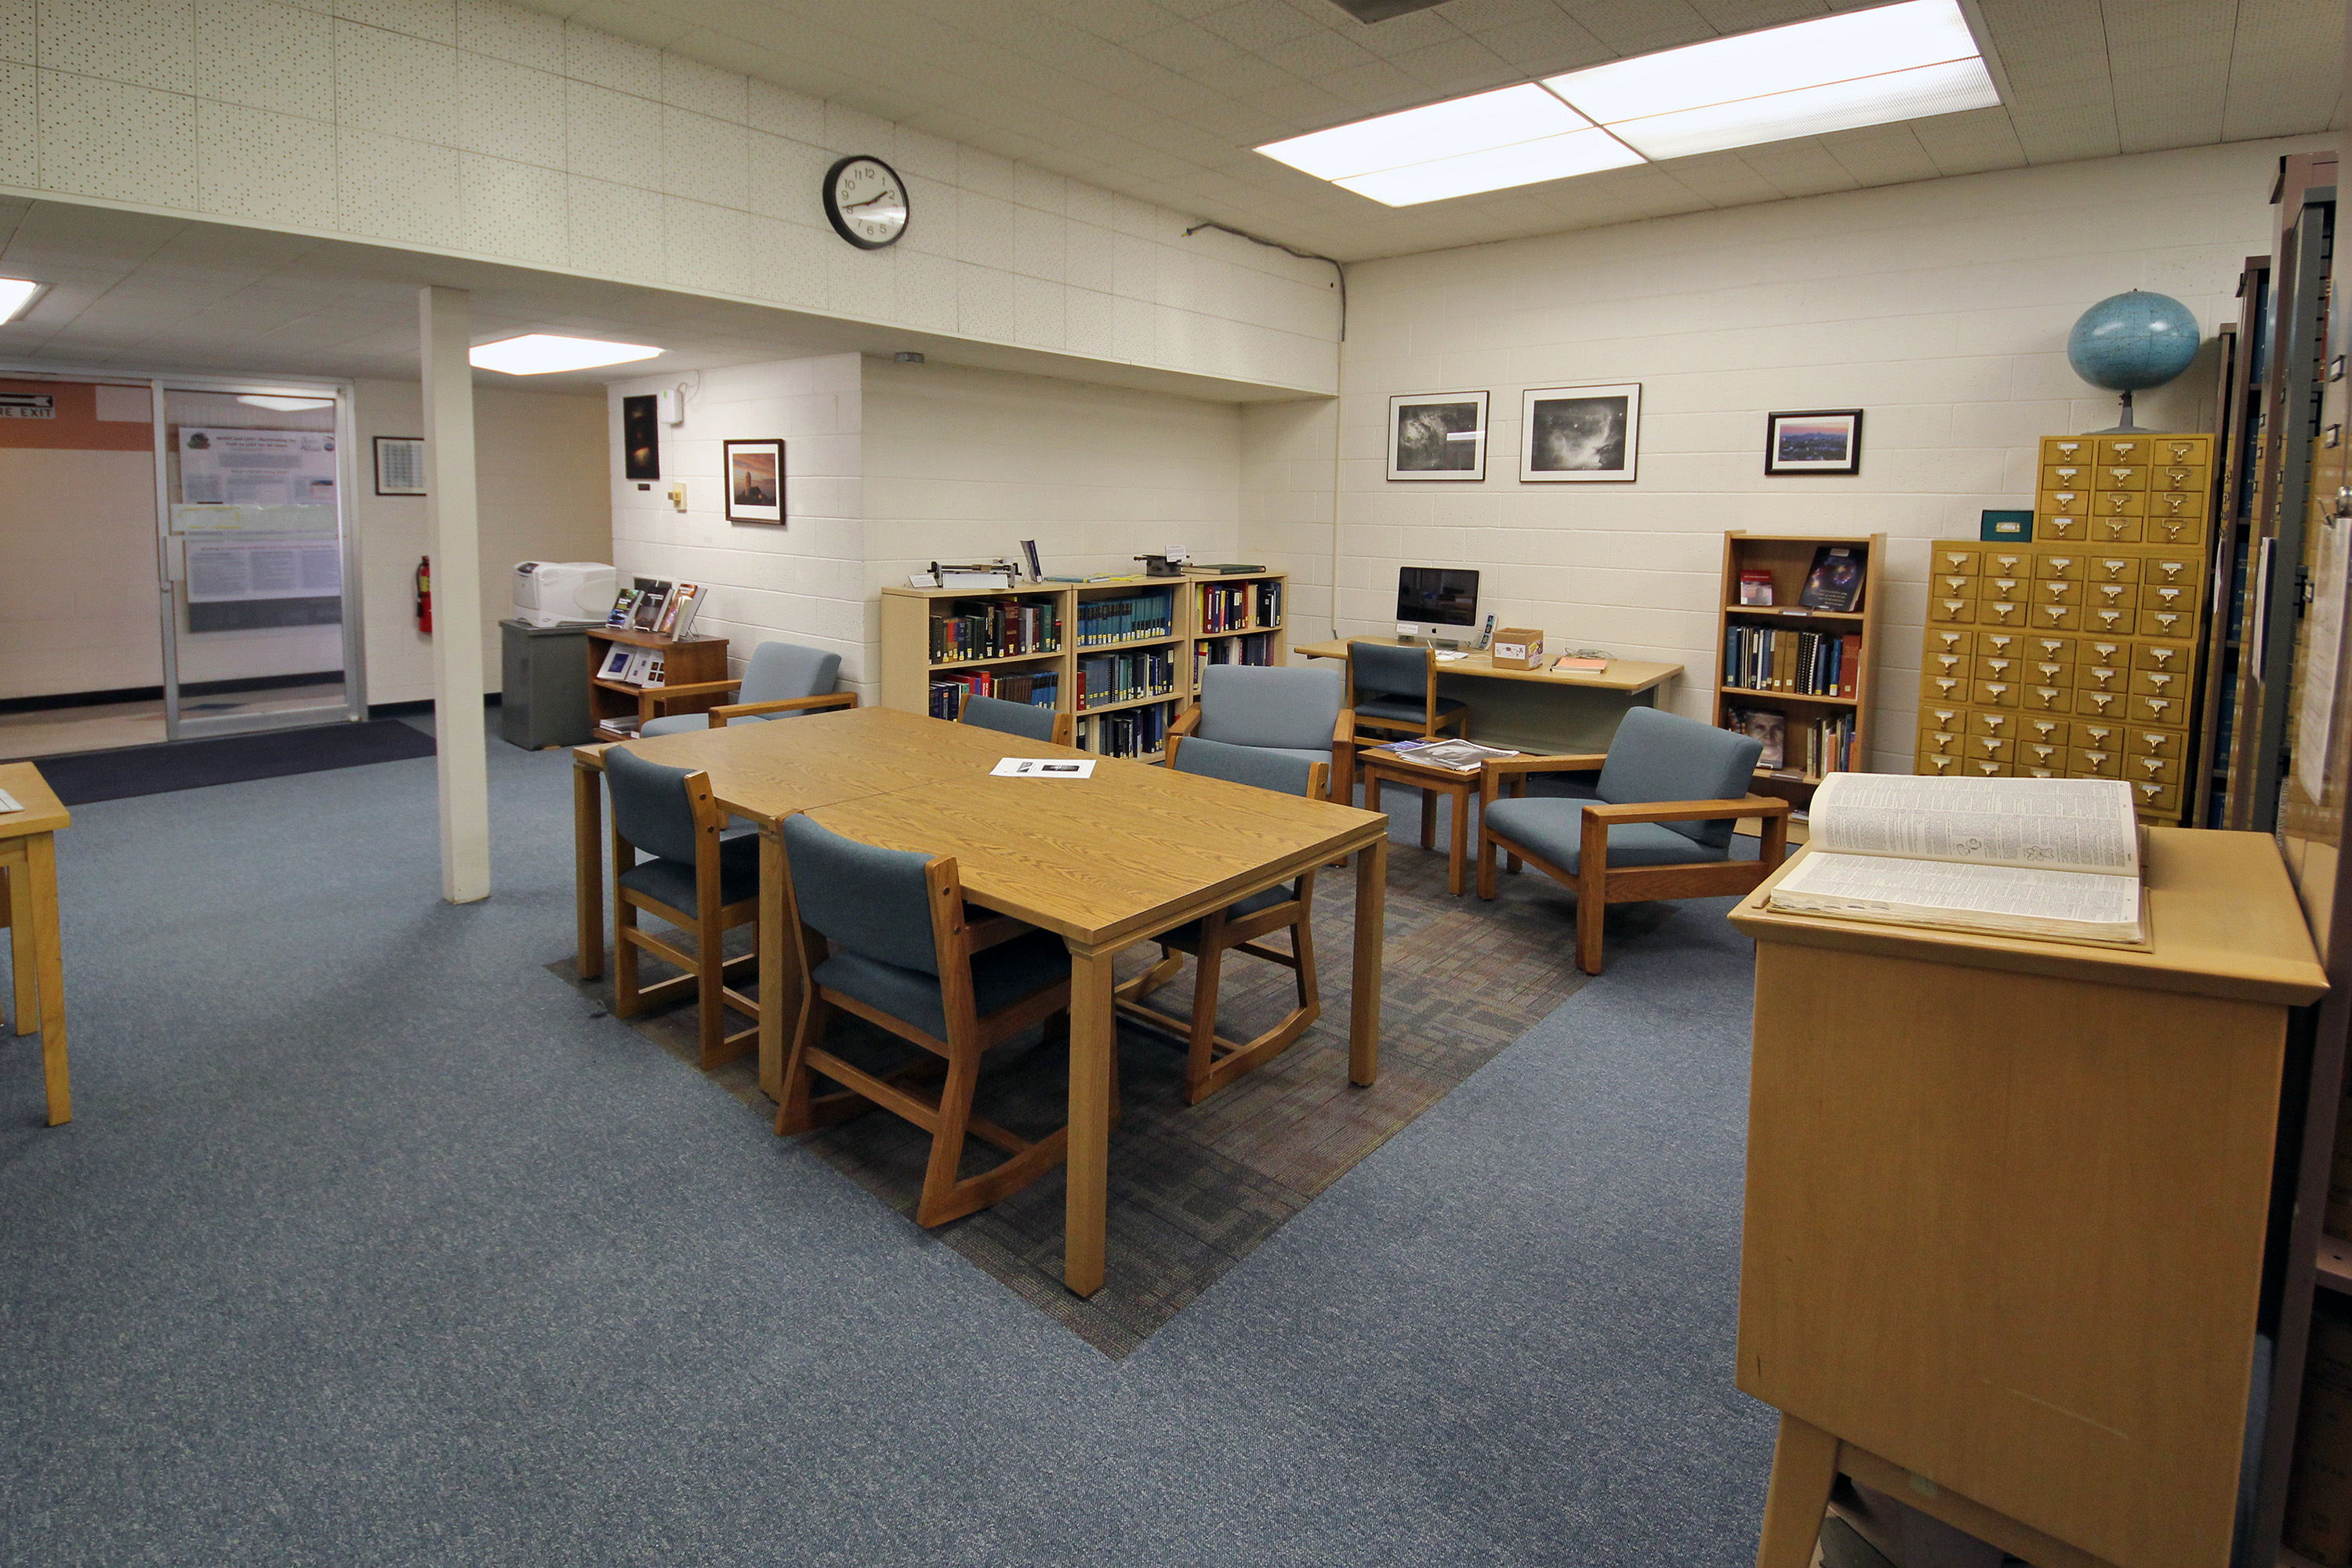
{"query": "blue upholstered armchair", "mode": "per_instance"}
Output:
(1394, 688)
(1671, 790)
(1026, 719)
(782, 680)
(1299, 712)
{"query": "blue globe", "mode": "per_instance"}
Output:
(2129, 343)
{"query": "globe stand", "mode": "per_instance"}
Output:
(2127, 427)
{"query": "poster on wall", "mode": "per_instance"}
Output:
(233, 568)
(755, 482)
(1437, 435)
(1580, 434)
(1819, 441)
(256, 468)
(641, 438)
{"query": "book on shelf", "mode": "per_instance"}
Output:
(678, 611)
(646, 613)
(1138, 617)
(1038, 689)
(624, 724)
(616, 662)
(1769, 729)
(1005, 628)
(1780, 658)
(623, 607)
(1756, 587)
(1835, 581)
(1133, 732)
(2057, 858)
(1455, 756)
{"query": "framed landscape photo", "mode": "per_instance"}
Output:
(755, 482)
(1580, 434)
(1438, 435)
(1820, 441)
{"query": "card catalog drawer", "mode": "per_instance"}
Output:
(1951, 718)
(2100, 704)
(2119, 476)
(2111, 530)
(2158, 800)
(2073, 476)
(2057, 617)
(1993, 667)
(2063, 527)
(1991, 644)
(2170, 569)
(2172, 531)
(2152, 770)
(1997, 722)
(2179, 479)
(2191, 450)
(1978, 768)
(2165, 624)
(2102, 677)
(2006, 590)
(2158, 683)
(1939, 767)
(1939, 640)
(1951, 612)
(2068, 449)
(2046, 699)
(1944, 561)
(2040, 754)
(2035, 729)
(1952, 585)
(2001, 612)
(2096, 764)
(1940, 744)
(2113, 595)
(1987, 749)
(2105, 504)
(2142, 742)
(2172, 710)
(2050, 650)
(1994, 694)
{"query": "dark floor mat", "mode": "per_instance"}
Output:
(82, 777)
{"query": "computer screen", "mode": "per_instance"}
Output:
(1437, 596)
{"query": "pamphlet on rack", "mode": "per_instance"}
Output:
(1042, 768)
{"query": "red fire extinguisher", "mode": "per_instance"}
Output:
(424, 595)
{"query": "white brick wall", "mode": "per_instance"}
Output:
(482, 126)
(1940, 308)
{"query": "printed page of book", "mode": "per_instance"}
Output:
(2056, 825)
(1992, 898)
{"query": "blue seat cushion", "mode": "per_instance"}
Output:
(1403, 709)
(1323, 756)
(1000, 976)
(1189, 933)
(1554, 829)
(688, 723)
(672, 881)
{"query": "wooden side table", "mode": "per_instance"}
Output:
(28, 907)
(1377, 768)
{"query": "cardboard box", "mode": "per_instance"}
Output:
(1519, 648)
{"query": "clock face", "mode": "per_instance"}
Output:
(867, 201)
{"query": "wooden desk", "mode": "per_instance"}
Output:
(28, 907)
(1104, 862)
(1534, 710)
(2006, 1210)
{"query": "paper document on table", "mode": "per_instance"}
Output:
(2056, 825)
(1041, 768)
(9, 802)
(2072, 905)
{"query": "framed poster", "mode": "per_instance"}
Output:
(400, 465)
(755, 482)
(1579, 434)
(641, 437)
(1438, 435)
(1821, 441)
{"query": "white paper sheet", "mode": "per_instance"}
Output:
(1042, 768)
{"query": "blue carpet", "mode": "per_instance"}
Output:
(371, 1244)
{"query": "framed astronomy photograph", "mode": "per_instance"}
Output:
(1580, 434)
(1821, 441)
(755, 482)
(640, 437)
(1438, 435)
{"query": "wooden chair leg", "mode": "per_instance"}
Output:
(1591, 909)
(628, 1000)
(711, 993)
(947, 1137)
(1302, 947)
(1485, 862)
(1200, 1056)
(793, 1110)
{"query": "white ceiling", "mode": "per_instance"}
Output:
(1163, 99)
(143, 293)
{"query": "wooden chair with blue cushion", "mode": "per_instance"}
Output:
(1394, 689)
(1290, 712)
(783, 678)
(1212, 1061)
(907, 956)
(1671, 790)
(703, 884)
(1024, 719)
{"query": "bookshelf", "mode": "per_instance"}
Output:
(1816, 725)
(1124, 655)
(685, 660)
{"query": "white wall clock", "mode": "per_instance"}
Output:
(866, 202)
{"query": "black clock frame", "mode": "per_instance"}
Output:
(841, 225)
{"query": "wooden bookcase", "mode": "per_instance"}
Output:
(909, 668)
(685, 660)
(1790, 559)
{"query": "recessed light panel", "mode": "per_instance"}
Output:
(1904, 62)
(16, 296)
(283, 404)
(540, 353)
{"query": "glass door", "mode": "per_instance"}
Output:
(260, 611)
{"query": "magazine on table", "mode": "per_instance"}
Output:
(1459, 756)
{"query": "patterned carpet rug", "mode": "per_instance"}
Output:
(1195, 1189)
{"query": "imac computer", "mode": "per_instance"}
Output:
(1440, 602)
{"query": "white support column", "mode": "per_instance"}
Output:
(445, 330)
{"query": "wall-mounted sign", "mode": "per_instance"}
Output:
(27, 405)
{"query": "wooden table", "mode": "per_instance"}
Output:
(1104, 862)
(1534, 710)
(2006, 1211)
(1377, 767)
(28, 907)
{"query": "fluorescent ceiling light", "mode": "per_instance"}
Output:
(284, 405)
(17, 296)
(1903, 61)
(1523, 163)
(538, 353)
(1476, 124)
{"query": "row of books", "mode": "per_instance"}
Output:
(1135, 733)
(996, 628)
(1257, 649)
(1816, 747)
(667, 609)
(631, 665)
(1041, 688)
(1235, 606)
(1124, 676)
(1770, 658)
(1134, 619)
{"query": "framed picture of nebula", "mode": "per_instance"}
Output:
(1824, 441)
(1574, 434)
(1438, 435)
(755, 481)
(640, 438)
